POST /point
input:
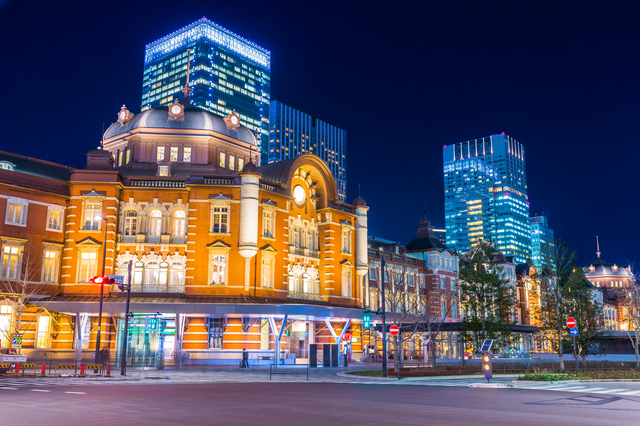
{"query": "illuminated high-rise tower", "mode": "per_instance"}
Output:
(485, 190)
(227, 72)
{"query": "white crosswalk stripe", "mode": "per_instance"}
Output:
(607, 390)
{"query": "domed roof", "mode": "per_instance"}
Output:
(194, 119)
(425, 238)
(250, 168)
(602, 268)
(359, 202)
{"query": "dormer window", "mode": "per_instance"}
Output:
(6, 165)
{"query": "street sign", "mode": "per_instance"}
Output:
(571, 322)
(117, 279)
(394, 330)
(486, 345)
(16, 341)
(574, 331)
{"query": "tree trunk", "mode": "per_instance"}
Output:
(635, 347)
(559, 323)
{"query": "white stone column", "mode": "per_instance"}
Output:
(249, 208)
(362, 252)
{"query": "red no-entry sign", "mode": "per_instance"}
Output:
(394, 330)
(571, 322)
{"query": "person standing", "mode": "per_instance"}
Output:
(245, 358)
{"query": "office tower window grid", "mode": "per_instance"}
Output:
(485, 188)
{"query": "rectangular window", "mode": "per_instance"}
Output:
(267, 223)
(91, 210)
(130, 222)
(186, 155)
(50, 267)
(240, 163)
(120, 159)
(346, 282)
(218, 269)
(160, 153)
(267, 272)
(443, 283)
(346, 241)
(163, 171)
(453, 285)
(42, 339)
(174, 153)
(220, 220)
(10, 262)
(372, 274)
(87, 269)
(232, 162)
(128, 155)
(16, 214)
(216, 333)
(55, 220)
(222, 158)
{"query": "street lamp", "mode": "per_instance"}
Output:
(104, 261)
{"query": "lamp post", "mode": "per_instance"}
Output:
(384, 320)
(104, 260)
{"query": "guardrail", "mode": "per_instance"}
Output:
(286, 369)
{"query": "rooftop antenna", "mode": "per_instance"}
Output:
(186, 89)
(598, 247)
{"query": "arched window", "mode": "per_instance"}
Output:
(151, 273)
(123, 270)
(176, 274)
(311, 239)
(179, 224)
(130, 222)
(155, 223)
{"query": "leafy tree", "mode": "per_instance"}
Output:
(488, 299)
(631, 311)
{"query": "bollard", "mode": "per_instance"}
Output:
(108, 370)
(42, 373)
(82, 371)
(17, 369)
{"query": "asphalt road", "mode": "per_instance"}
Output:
(307, 404)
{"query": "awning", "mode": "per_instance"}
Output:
(232, 307)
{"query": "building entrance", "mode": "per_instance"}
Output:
(298, 340)
(145, 343)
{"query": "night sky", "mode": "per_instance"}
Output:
(403, 80)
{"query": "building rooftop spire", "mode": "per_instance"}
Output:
(598, 247)
(186, 90)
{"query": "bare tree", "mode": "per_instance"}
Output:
(631, 308)
(21, 284)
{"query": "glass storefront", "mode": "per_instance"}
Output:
(145, 342)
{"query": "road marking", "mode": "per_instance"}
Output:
(610, 390)
(629, 393)
(588, 390)
(78, 393)
(568, 388)
(40, 390)
(8, 388)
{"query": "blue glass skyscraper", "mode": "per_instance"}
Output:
(485, 190)
(542, 242)
(227, 72)
(293, 132)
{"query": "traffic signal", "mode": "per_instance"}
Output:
(486, 366)
(102, 280)
(366, 321)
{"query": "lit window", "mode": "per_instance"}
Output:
(163, 171)
(128, 156)
(5, 165)
(220, 219)
(43, 337)
(346, 241)
(120, 159)
(176, 274)
(160, 153)
(216, 333)
(240, 163)
(11, 262)
(222, 158)
(155, 223)
(218, 269)
(346, 282)
(267, 271)
(16, 213)
(91, 210)
(179, 228)
(232, 162)
(151, 273)
(88, 265)
(174, 153)
(50, 267)
(186, 155)
(55, 220)
(130, 222)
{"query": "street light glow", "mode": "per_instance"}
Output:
(98, 217)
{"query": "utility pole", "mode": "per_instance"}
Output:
(384, 321)
(125, 335)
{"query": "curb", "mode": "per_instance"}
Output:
(490, 385)
(354, 376)
(566, 382)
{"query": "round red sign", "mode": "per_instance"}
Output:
(571, 322)
(394, 330)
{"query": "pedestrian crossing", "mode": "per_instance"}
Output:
(583, 388)
(39, 382)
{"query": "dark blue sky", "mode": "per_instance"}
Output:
(562, 79)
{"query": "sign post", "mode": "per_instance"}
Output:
(16, 341)
(384, 320)
(571, 323)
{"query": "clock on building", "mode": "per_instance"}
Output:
(124, 115)
(299, 194)
(176, 110)
(232, 120)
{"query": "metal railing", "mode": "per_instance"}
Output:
(219, 181)
(158, 183)
(308, 296)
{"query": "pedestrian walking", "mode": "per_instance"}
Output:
(245, 358)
